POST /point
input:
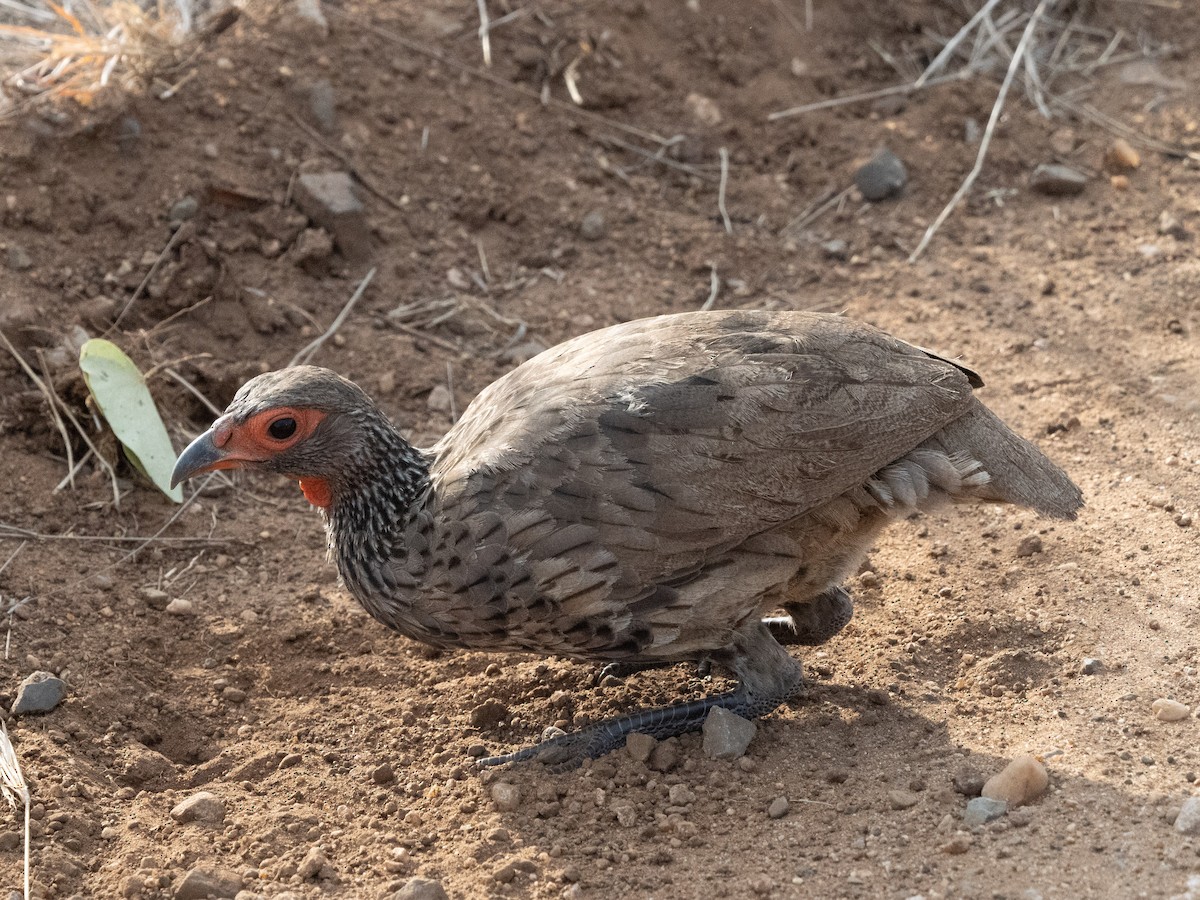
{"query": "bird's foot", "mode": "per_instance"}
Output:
(568, 751)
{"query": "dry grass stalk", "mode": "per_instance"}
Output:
(14, 788)
(76, 57)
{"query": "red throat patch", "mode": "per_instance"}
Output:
(317, 492)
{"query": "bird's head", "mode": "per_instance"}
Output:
(304, 422)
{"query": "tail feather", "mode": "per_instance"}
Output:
(1019, 472)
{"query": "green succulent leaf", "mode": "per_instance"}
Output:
(121, 395)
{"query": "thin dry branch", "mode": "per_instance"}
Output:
(724, 154)
(1018, 57)
(306, 353)
(54, 415)
(431, 53)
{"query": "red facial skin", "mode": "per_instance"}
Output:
(251, 442)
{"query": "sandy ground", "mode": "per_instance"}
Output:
(339, 754)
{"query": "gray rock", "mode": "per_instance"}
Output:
(420, 889)
(902, 799)
(778, 808)
(1030, 544)
(383, 774)
(726, 735)
(203, 882)
(18, 259)
(882, 178)
(203, 807)
(322, 105)
(1188, 820)
(968, 781)
(665, 755)
(182, 210)
(593, 227)
(836, 249)
(640, 746)
(1057, 181)
(982, 810)
(1090, 665)
(40, 692)
(309, 14)
(507, 797)
(330, 201)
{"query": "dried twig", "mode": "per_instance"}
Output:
(1018, 58)
(16, 533)
(724, 154)
(41, 386)
(906, 88)
(943, 57)
(425, 50)
(484, 28)
(714, 288)
(306, 353)
(176, 236)
(365, 180)
(193, 390)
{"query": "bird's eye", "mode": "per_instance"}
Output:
(282, 429)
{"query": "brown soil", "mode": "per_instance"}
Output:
(344, 768)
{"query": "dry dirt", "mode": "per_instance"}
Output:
(340, 751)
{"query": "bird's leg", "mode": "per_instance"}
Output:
(768, 676)
(815, 621)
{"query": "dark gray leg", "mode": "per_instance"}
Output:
(814, 622)
(768, 676)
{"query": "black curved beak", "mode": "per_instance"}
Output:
(201, 455)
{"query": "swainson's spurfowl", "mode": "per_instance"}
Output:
(644, 494)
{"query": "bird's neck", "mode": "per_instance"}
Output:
(383, 486)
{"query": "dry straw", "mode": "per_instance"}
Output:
(14, 788)
(76, 51)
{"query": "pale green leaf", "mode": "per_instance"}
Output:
(121, 394)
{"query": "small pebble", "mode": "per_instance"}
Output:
(203, 807)
(181, 607)
(727, 735)
(902, 799)
(982, 810)
(665, 755)
(957, 845)
(1121, 156)
(1022, 780)
(312, 864)
(488, 714)
(968, 782)
(703, 109)
(1188, 820)
(40, 692)
(882, 178)
(593, 227)
(233, 695)
(778, 808)
(18, 258)
(506, 797)
(1057, 181)
(640, 746)
(1030, 544)
(1169, 710)
(383, 774)
(182, 210)
(1090, 665)
(836, 249)
(440, 399)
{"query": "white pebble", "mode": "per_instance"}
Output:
(1169, 710)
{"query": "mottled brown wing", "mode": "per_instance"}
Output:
(627, 462)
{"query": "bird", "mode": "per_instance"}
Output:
(642, 495)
